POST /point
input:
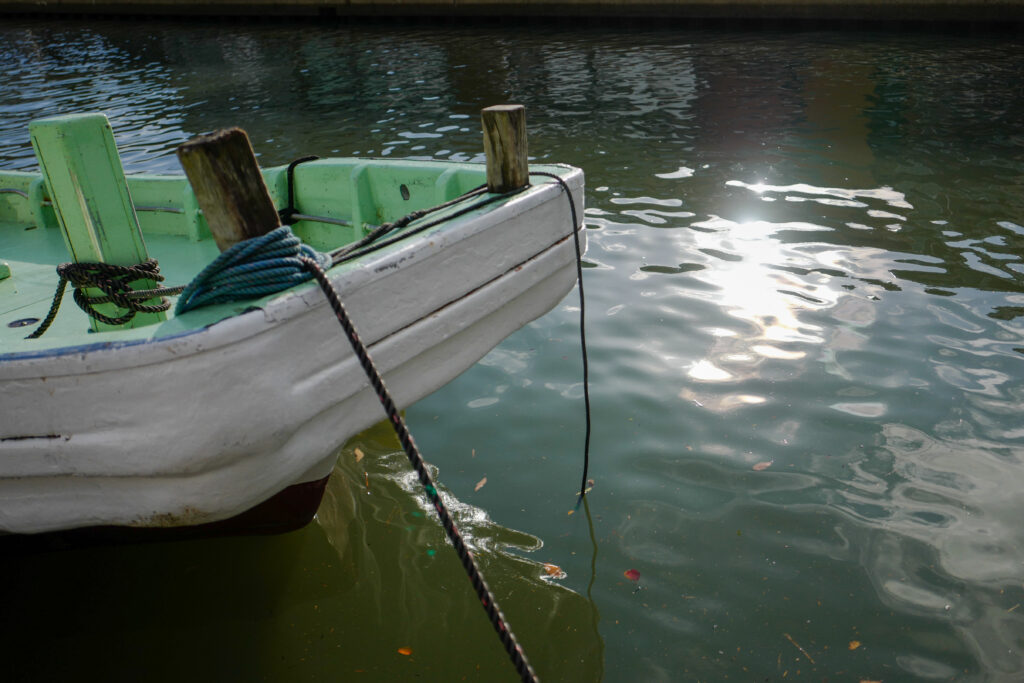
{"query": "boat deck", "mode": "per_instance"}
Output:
(31, 253)
(339, 193)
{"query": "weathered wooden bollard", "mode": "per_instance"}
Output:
(505, 146)
(229, 187)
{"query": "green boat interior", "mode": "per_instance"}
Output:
(335, 202)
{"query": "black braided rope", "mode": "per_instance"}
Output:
(115, 283)
(357, 249)
(497, 619)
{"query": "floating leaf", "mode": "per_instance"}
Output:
(854, 644)
(405, 651)
(763, 465)
(359, 454)
(554, 571)
(480, 484)
(632, 574)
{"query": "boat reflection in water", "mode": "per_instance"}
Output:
(373, 579)
(409, 590)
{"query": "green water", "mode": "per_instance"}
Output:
(805, 283)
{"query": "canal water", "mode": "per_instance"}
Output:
(805, 290)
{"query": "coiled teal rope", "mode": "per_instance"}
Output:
(250, 269)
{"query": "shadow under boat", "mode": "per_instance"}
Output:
(349, 595)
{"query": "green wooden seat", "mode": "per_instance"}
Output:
(81, 166)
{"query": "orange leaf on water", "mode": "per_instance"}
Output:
(632, 574)
(763, 465)
(854, 644)
(405, 651)
(553, 570)
(480, 484)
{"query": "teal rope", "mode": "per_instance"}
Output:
(250, 269)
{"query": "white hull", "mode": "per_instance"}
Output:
(201, 427)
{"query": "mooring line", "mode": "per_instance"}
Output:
(483, 591)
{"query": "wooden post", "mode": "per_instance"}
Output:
(505, 146)
(79, 160)
(228, 186)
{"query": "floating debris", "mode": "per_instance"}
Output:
(797, 646)
(554, 571)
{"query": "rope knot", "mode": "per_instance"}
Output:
(116, 284)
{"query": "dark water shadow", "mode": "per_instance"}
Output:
(350, 594)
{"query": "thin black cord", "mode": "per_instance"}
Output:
(515, 652)
(287, 212)
(583, 328)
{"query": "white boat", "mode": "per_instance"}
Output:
(232, 414)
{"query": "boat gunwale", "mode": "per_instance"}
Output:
(280, 308)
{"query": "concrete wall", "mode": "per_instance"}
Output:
(857, 10)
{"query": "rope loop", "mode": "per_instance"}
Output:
(253, 268)
(116, 284)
